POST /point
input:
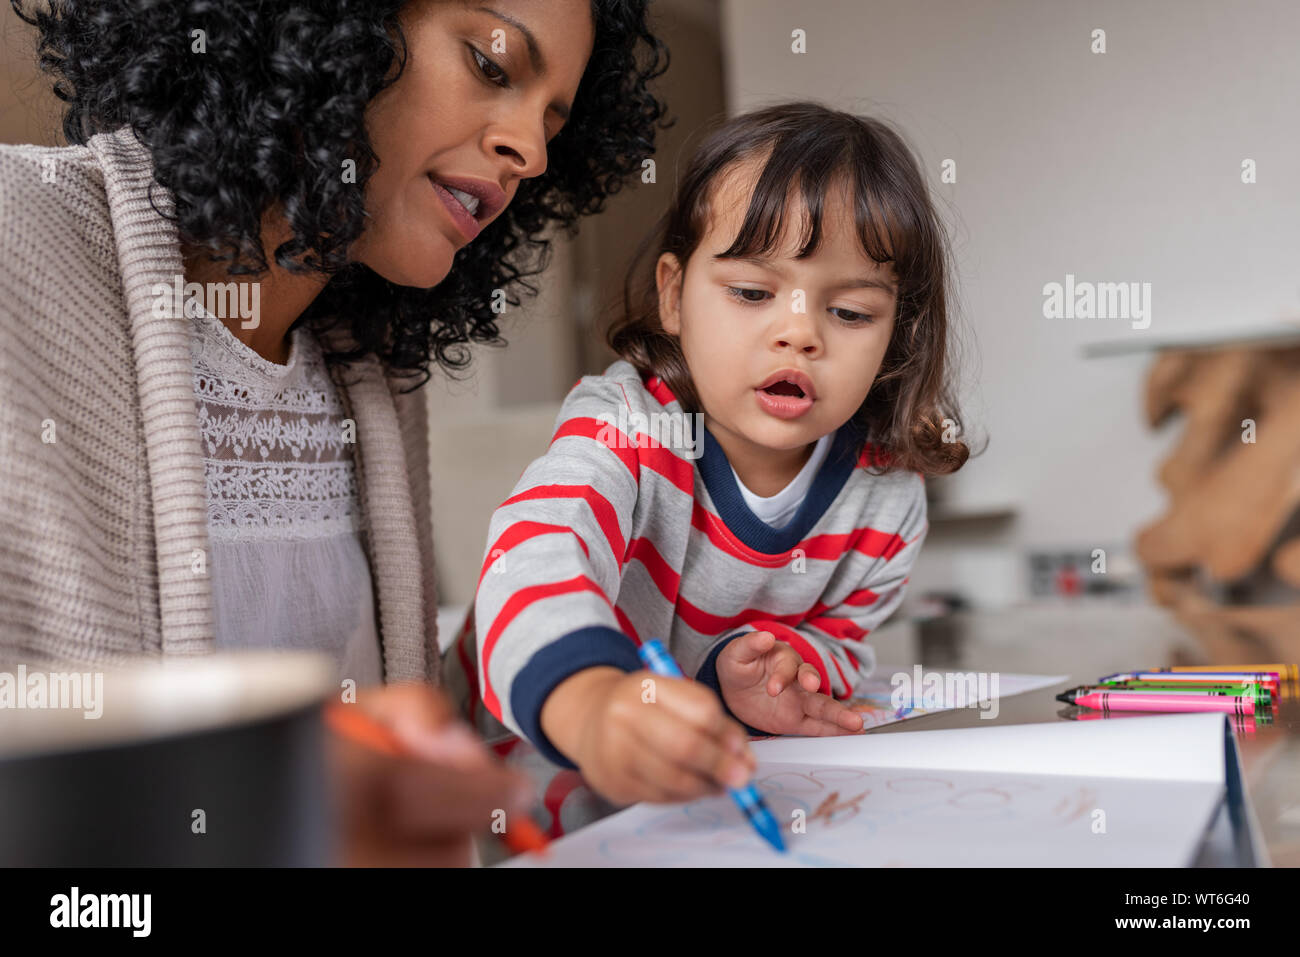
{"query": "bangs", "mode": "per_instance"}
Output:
(815, 164)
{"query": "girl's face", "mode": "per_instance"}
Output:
(485, 88)
(743, 323)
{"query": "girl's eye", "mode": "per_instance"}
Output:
(738, 293)
(486, 66)
(849, 315)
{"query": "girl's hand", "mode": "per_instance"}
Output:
(643, 737)
(768, 686)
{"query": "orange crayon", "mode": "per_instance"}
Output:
(1286, 672)
(354, 724)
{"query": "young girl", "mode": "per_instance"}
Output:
(745, 483)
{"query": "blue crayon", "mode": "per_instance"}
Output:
(657, 659)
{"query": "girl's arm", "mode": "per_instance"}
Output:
(550, 640)
(545, 601)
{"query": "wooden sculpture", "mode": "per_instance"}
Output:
(1225, 557)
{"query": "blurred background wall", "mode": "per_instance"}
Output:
(1123, 166)
(29, 113)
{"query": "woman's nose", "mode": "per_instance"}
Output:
(522, 143)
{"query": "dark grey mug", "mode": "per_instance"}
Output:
(210, 761)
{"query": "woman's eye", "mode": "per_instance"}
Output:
(486, 67)
(848, 315)
(737, 292)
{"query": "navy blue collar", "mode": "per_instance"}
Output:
(835, 470)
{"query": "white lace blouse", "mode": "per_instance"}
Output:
(284, 512)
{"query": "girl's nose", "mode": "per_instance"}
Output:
(799, 333)
(796, 344)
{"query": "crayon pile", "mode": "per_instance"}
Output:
(1247, 693)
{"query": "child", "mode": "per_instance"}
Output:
(745, 483)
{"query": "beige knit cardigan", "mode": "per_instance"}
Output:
(103, 516)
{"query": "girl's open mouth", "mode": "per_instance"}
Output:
(785, 400)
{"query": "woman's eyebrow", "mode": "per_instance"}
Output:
(535, 55)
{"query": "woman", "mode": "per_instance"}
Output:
(273, 218)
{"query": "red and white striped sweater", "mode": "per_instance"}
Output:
(614, 536)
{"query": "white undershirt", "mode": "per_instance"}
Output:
(777, 510)
(288, 566)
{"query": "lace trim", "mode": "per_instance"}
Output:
(220, 391)
(229, 435)
(223, 352)
(276, 462)
(291, 523)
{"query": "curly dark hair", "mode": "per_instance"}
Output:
(910, 414)
(271, 112)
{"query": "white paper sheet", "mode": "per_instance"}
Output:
(1139, 792)
(875, 697)
(1167, 747)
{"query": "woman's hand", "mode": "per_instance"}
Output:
(644, 737)
(767, 685)
(421, 810)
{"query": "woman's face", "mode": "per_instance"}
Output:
(485, 88)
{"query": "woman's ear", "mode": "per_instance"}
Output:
(668, 279)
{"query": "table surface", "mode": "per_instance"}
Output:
(1087, 640)
(1082, 638)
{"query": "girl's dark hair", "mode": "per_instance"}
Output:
(274, 106)
(810, 147)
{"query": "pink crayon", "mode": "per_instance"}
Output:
(1131, 701)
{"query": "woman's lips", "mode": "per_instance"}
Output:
(783, 406)
(467, 224)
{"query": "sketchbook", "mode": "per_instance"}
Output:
(1141, 792)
